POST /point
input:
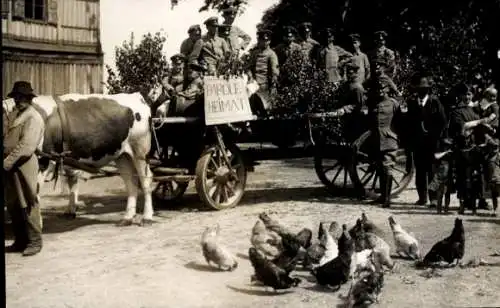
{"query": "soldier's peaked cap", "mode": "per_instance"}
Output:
(224, 26)
(381, 33)
(355, 36)
(289, 30)
(264, 33)
(194, 28)
(212, 21)
(230, 10)
(178, 56)
(352, 65)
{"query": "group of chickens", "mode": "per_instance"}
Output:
(359, 254)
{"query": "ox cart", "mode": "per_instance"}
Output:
(200, 146)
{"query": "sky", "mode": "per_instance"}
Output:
(121, 17)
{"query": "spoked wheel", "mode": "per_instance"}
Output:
(364, 172)
(218, 184)
(170, 190)
(332, 164)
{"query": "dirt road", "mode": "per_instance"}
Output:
(89, 262)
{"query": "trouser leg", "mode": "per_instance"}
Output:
(421, 170)
(34, 227)
(16, 215)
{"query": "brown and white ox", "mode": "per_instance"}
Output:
(98, 129)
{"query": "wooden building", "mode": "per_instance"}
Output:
(54, 44)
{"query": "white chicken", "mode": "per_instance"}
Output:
(406, 244)
(331, 248)
(215, 252)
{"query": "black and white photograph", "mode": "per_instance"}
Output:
(237, 153)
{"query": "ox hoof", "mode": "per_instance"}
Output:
(124, 223)
(68, 215)
(146, 222)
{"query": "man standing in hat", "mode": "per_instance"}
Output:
(306, 42)
(288, 47)
(211, 50)
(235, 33)
(187, 45)
(21, 168)
(381, 52)
(427, 124)
(263, 68)
(331, 57)
(360, 58)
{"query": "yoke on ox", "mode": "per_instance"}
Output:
(90, 131)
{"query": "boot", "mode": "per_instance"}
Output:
(383, 191)
(20, 234)
(388, 189)
(35, 242)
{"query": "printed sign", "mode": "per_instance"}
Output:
(226, 101)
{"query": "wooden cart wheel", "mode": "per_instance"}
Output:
(221, 186)
(170, 190)
(332, 164)
(365, 175)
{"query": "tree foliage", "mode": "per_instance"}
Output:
(138, 67)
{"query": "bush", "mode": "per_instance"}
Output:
(138, 67)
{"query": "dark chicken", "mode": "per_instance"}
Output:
(269, 274)
(367, 289)
(289, 257)
(305, 237)
(336, 272)
(366, 225)
(450, 249)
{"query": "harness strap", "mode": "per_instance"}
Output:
(64, 123)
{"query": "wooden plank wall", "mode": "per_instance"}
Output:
(54, 78)
(78, 21)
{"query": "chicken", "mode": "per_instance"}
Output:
(362, 261)
(305, 237)
(364, 240)
(336, 272)
(367, 225)
(268, 243)
(450, 249)
(215, 252)
(335, 230)
(273, 224)
(366, 290)
(331, 247)
(289, 257)
(406, 244)
(269, 274)
(316, 251)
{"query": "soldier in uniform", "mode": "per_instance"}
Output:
(187, 45)
(360, 58)
(381, 52)
(264, 69)
(172, 83)
(381, 111)
(235, 33)
(288, 47)
(306, 42)
(353, 95)
(211, 50)
(21, 168)
(332, 56)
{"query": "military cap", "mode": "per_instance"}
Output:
(381, 33)
(265, 34)
(355, 37)
(287, 30)
(212, 21)
(224, 26)
(352, 65)
(194, 28)
(198, 67)
(380, 62)
(384, 82)
(305, 25)
(178, 56)
(229, 10)
(328, 31)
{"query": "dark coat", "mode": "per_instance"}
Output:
(426, 124)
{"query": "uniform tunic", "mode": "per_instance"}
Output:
(284, 51)
(329, 59)
(361, 59)
(386, 55)
(211, 51)
(352, 93)
(187, 46)
(234, 38)
(307, 47)
(263, 66)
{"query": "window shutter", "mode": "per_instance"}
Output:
(52, 11)
(5, 8)
(18, 9)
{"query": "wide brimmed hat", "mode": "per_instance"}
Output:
(21, 88)
(424, 83)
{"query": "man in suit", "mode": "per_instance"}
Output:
(21, 168)
(427, 124)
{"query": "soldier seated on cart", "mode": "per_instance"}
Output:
(172, 83)
(183, 101)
